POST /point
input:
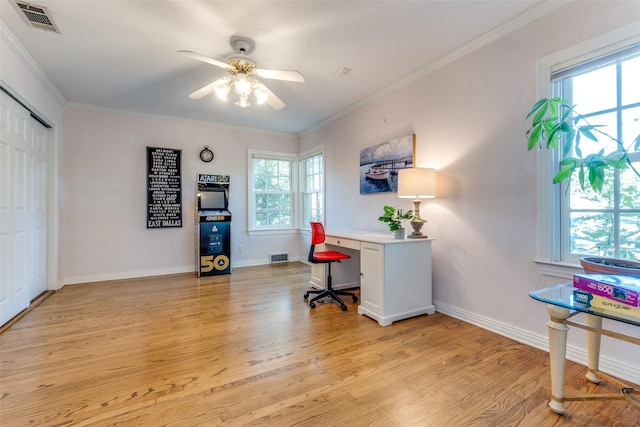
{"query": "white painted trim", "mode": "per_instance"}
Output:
(127, 275)
(272, 232)
(561, 270)
(162, 272)
(609, 365)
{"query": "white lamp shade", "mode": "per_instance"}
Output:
(417, 183)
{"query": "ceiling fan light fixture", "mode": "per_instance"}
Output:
(242, 85)
(243, 102)
(261, 96)
(222, 93)
(242, 71)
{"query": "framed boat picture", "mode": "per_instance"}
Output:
(379, 164)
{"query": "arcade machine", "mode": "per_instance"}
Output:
(213, 225)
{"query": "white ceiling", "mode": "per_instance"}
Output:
(122, 54)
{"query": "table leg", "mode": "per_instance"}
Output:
(593, 348)
(557, 354)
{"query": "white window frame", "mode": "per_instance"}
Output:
(252, 227)
(318, 151)
(548, 194)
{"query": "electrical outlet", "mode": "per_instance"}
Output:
(240, 248)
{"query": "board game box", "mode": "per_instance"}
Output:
(624, 289)
(596, 301)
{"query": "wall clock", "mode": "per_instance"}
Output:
(206, 155)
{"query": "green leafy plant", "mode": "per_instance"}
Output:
(396, 217)
(554, 120)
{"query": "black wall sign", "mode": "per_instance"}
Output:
(164, 188)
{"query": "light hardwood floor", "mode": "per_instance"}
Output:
(245, 349)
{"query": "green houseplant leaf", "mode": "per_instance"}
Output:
(395, 217)
(554, 120)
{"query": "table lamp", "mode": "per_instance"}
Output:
(417, 183)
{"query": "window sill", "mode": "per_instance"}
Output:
(562, 270)
(272, 232)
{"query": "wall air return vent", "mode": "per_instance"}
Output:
(36, 16)
(275, 258)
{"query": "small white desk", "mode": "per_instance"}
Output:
(394, 275)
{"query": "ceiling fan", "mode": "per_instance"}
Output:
(243, 71)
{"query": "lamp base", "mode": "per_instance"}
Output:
(417, 226)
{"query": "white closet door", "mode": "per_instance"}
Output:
(38, 208)
(23, 208)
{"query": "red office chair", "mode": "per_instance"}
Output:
(326, 257)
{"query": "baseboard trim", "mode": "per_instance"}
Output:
(623, 370)
(159, 272)
(127, 275)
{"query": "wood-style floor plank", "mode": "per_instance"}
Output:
(245, 349)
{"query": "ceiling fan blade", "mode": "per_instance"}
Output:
(210, 88)
(286, 75)
(203, 58)
(273, 101)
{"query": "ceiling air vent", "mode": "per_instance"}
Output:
(36, 16)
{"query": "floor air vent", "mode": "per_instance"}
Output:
(279, 258)
(36, 16)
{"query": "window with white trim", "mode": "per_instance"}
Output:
(605, 91)
(312, 187)
(271, 190)
(604, 87)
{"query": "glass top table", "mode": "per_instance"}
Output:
(562, 296)
(561, 306)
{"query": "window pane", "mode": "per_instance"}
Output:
(285, 201)
(592, 234)
(596, 90)
(259, 165)
(580, 199)
(630, 81)
(284, 183)
(285, 168)
(608, 124)
(272, 183)
(630, 188)
(630, 235)
(630, 125)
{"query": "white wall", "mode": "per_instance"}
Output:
(468, 117)
(104, 179)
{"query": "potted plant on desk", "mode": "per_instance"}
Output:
(395, 218)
